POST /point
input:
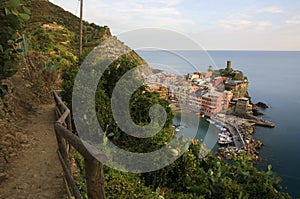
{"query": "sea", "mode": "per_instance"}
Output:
(274, 78)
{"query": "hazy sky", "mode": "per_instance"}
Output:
(214, 24)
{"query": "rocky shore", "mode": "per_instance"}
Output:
(244, 128)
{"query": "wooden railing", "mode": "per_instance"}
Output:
(65, 139)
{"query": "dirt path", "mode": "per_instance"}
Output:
(36, 172)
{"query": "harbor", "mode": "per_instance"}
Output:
(237, 137)
(241, 130)
(229, 134)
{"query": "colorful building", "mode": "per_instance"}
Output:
(209, 101)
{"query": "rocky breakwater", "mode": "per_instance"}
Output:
(246, 129)
(243, 130)
(258, 121)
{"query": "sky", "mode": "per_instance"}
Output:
(213, 24)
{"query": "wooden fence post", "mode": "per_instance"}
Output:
(62, 147)
(69, 122)
(95, 179)
(66, 138)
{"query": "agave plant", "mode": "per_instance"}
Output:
(12, 43)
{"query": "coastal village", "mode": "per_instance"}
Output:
(219, 96)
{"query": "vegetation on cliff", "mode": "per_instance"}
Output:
(192, 175)
(12, 16)
(53, 42)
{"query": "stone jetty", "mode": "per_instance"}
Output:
(241, 130)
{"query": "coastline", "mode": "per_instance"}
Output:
(242, 131)
(215, 93)
(241, 128)
(283, 109)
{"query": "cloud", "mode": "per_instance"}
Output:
(128, 15)
(295, 20)
(249, 20)
(235, 23)
(154, 11)
(262, 24)
(164, 2)
(240, 22)
(71, 6)
(273, 10)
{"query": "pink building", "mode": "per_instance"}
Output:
(211, 102)
(218, 81)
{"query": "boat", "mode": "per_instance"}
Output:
(199, 115)
(222, 138)
(210, 121)
(224, 130)
(177, 129)
(225, 140)
(223, 135)
(176, 125)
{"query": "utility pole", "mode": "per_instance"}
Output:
(81, 27)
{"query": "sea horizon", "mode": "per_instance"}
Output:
(243, 50)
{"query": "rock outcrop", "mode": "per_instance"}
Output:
(262, 105)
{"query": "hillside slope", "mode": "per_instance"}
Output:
(45, 12)
(51, 35)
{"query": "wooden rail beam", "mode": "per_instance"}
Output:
(69, 177)
(77, 143)
(93, 167)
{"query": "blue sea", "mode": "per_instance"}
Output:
(274, 78)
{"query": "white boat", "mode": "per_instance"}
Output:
(223, 135)
(177, 129)
(224, 129)
(225, 140)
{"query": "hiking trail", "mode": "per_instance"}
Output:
(36, 171)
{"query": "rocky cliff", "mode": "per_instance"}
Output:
(241, 90)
